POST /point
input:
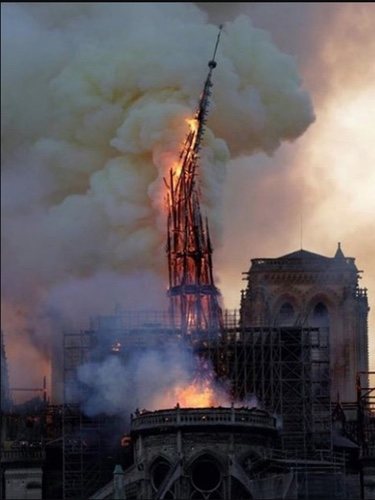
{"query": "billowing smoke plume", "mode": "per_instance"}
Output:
(152, 379)
(95, 98)
(116, 387)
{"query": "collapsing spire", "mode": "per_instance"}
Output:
(194, 299)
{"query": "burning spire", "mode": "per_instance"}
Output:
(194, 298)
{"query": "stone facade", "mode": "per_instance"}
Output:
(201, 453)
(307, 289)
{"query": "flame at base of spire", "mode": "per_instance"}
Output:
(202, 392)
(199, 394)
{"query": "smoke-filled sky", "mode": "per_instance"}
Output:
(327, 177)
(94, 105)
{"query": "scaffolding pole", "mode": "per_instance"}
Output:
(82, 443)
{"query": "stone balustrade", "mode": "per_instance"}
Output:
(188, 417)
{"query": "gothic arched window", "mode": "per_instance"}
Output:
(320, 315)
(286, 314)
(159, 472)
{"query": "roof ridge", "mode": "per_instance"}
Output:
(303, 253)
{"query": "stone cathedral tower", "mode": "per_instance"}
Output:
(310, 290)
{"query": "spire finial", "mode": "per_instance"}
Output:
(339, 253)
(202, 111)
(212, 62)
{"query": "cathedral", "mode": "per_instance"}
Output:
(305, 289)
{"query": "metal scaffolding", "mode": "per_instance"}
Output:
(287, 369)
(88, 440)
(82, 435)
(366, 413)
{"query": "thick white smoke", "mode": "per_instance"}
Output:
(95, 98)
(144, 381)
(152, 379)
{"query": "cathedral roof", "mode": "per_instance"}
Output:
(305, 260)
(304, 255)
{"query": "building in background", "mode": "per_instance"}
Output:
(309, 290)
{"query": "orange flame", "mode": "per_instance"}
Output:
(176, 168)
(202, 392)
(196, 395)
(193, 124)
